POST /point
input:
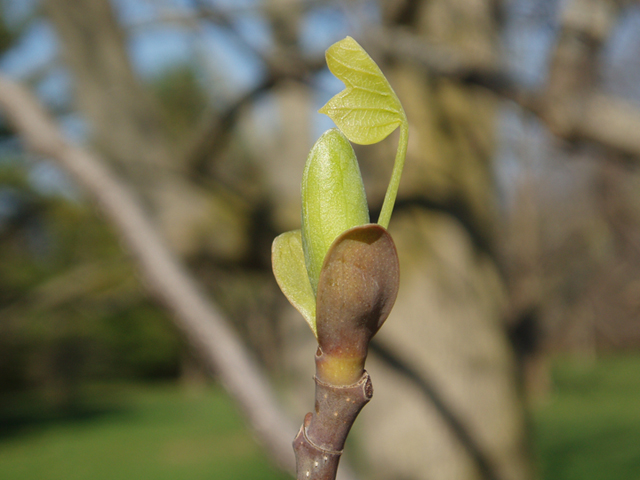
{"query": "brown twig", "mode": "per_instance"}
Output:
(319, 443)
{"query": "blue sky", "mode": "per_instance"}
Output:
(227, 68)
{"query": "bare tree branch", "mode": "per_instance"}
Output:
(611, 122)
(199, 320)
(126, 121)
(592, 116)
(213, 131)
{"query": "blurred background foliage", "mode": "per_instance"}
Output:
(518, 228)
(73, 308)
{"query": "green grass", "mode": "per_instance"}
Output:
(130, 432)
(590, 428)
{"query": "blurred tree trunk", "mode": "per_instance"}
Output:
(123, 116)
(128, 126)
(461, 417)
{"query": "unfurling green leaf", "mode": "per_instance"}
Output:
(340, 264)
(333, 198)
(289, 268)
(367, 110)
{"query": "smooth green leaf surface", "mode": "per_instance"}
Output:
(367, 110)
(333, 198)
(289, 268)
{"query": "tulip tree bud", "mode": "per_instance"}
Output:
(333, 198)
(357, 289)
(334, 207)
(340, 271)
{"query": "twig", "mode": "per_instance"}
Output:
(321, 438)
(214, 129)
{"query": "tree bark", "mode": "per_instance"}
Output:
(122, 114)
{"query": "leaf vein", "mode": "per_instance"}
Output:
(371, 90)
(359, 70)
(380, 109)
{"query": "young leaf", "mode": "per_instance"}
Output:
(367, 110)
(289, 268)
(333, 198)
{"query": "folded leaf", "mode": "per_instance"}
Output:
(367, 110)
(289, 268)
(333, 198)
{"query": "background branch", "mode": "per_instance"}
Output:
(435, 397)
(164, 276)
(592, 116)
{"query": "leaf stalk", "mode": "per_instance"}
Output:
(394, 183)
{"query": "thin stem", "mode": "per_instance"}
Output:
(319, 443)
(392, 189)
